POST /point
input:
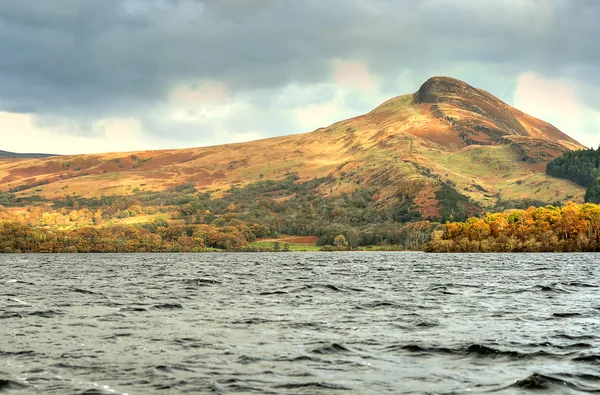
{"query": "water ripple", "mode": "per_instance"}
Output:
(299, 323)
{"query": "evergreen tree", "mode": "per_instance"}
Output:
(582, 167)
(592, 195)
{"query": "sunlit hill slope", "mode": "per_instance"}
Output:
(446, 134)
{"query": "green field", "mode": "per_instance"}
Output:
(291, 246)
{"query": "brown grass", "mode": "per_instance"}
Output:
(394, 143)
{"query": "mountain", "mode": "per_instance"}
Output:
(448, 141)
(14, 155)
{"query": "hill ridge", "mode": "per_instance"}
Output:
(413, 146)
(16, 155)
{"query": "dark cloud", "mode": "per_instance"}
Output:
(91, 59)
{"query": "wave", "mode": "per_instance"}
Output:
(550, 288)
(414, 348)
(94, 391)
(553, 288)
(170, 386)
(583, 376)
(23, 314)
(354, 289)
(589, 358)
(239, 386)
(546, 382)
(576, 337)
(201, 281)
(133, 309)
(251, 321)
(577, 346)
(186, 340)
(333, 348)
(313, 385)
(82, 291)
(379, 304)
(536, 381)
(566, 315)
(167, 306)
(246, 359)
(308, 324)
(581, 285)
(277, 292)
(8, 385)
(483, 351)
(16, 353)
(328, 287)
(45, 313)
(15, 281)
(110, 317)
(420, 323)
(65, 365)
(173, 368)
(10, 314)
(300, 358)
(441, 288)
(423, 323)
(473, 350)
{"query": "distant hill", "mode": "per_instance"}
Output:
(14, 155)
(445, 144)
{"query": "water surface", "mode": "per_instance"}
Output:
(299, 323)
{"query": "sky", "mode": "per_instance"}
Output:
(86, 76)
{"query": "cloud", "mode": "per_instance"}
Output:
(354, 74)
(202, 71)
(556, 101)
(202, 96)
(118, 135)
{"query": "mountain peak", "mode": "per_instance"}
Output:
(439, 89)
(480, 118)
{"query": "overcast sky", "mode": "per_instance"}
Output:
(82, 76)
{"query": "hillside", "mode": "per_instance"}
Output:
(445, 142)
(14, 155)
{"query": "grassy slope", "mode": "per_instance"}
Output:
(493, 169)
(291, 246)
(411, 138)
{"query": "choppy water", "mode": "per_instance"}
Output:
(364, 323)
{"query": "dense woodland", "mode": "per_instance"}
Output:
(199, 222)
(582, 167)
(182, 219)
(573, 227)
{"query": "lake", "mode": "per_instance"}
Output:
(299, 323)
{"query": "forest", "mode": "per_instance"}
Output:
(183, 219)
(582, 167)
(572, 227)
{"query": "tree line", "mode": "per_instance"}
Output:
(570, 228)
(582, 167)
(266, 209)
(16, 237)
